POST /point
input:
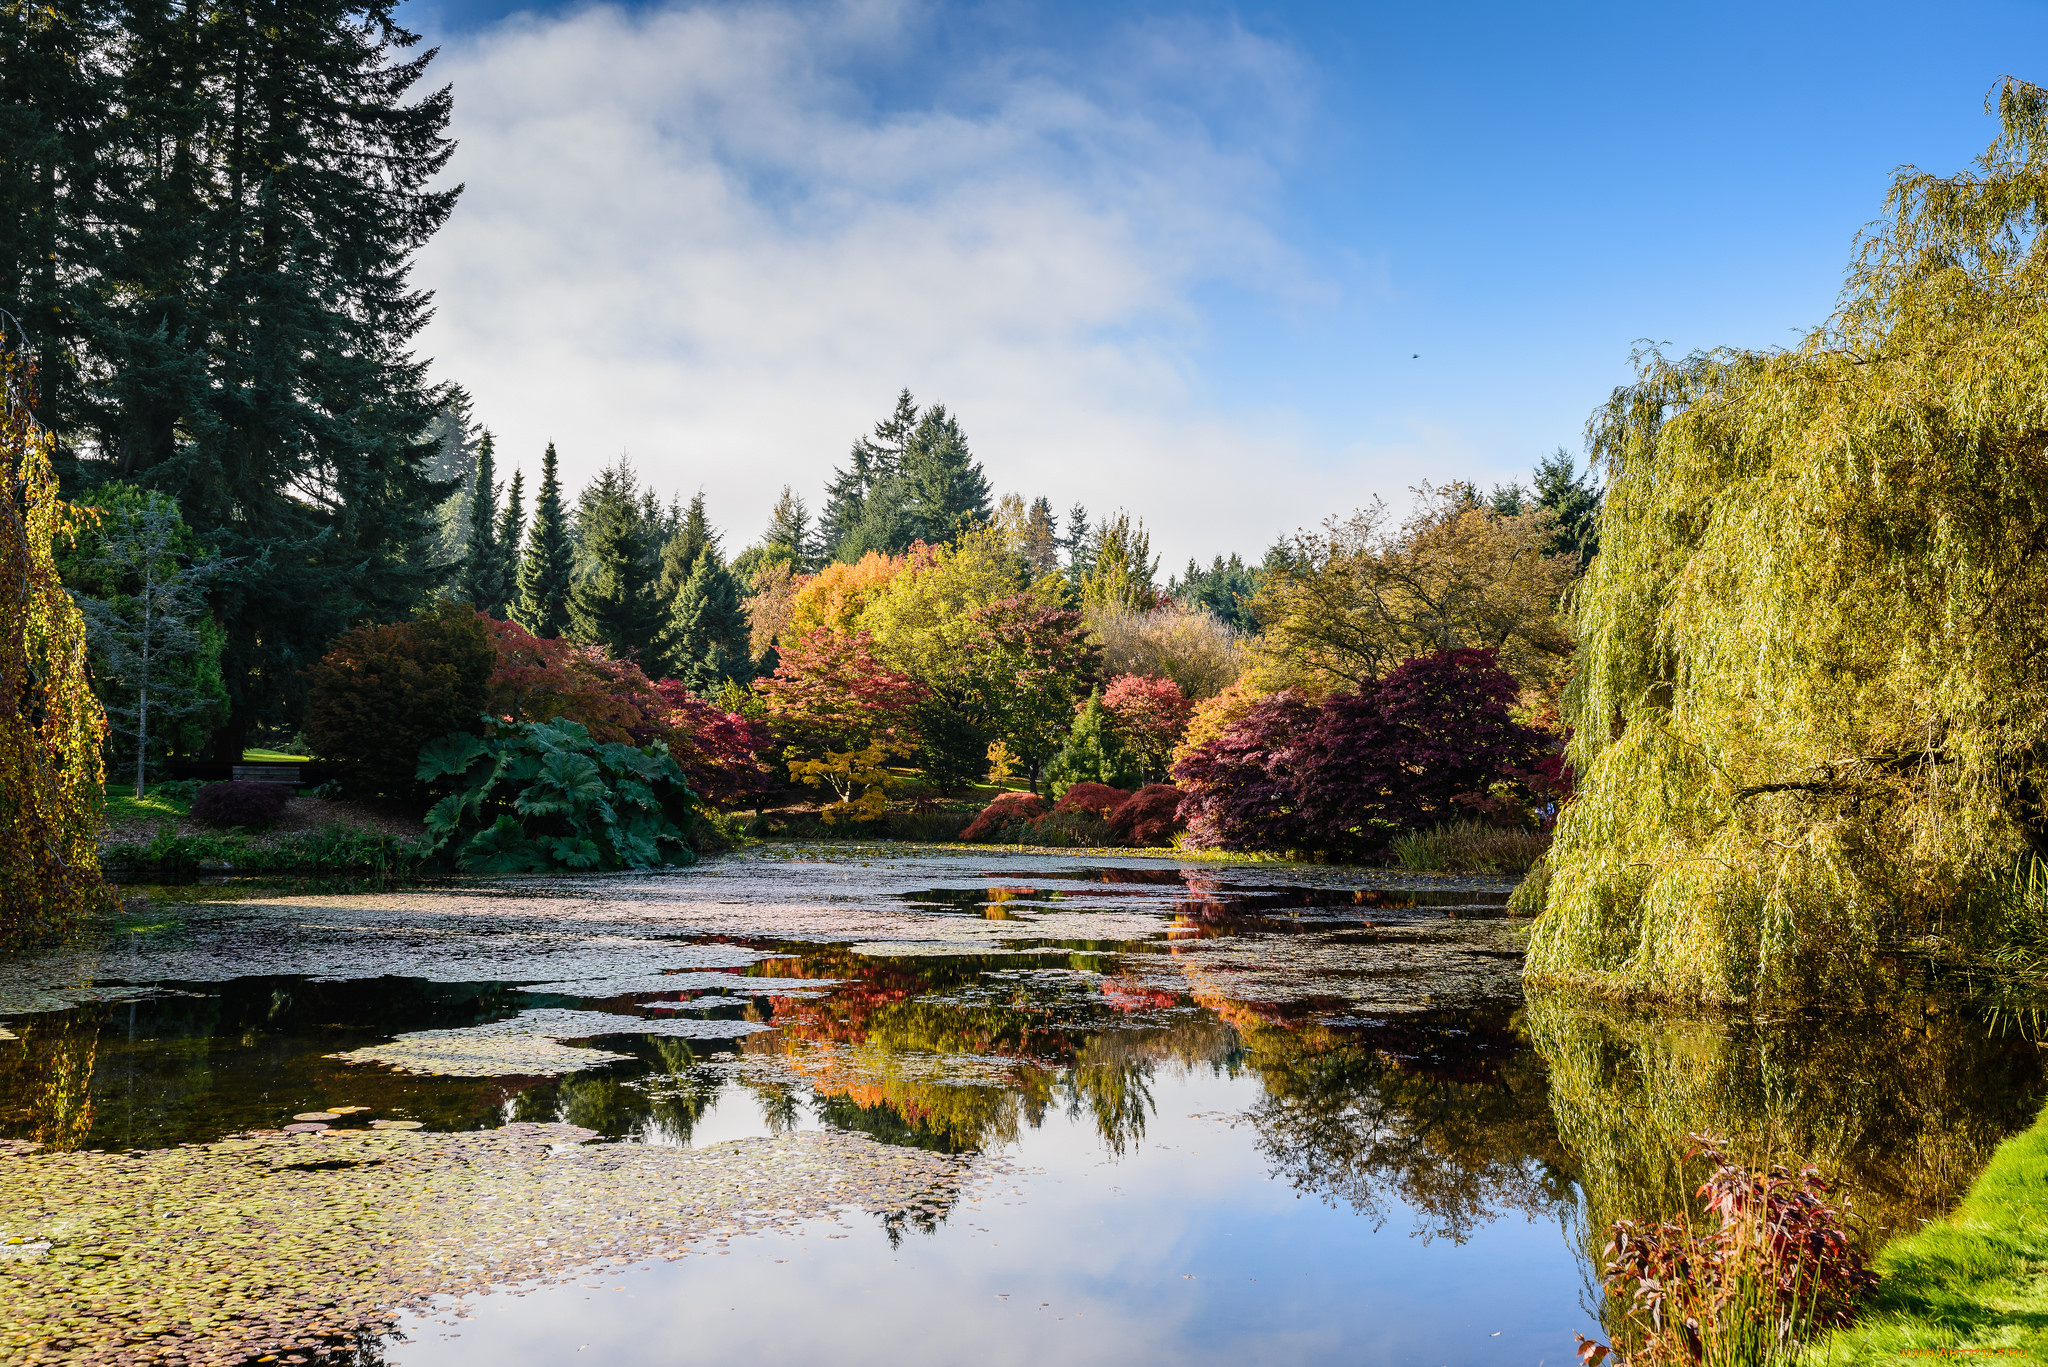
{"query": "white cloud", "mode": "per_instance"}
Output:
(699, 235)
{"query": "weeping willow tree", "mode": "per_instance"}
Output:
(51, 726)
(1811, 703)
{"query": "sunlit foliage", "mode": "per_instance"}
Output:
(1811, 708)
(1355, 599)
(51, 725)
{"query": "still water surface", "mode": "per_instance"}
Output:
(1244, 1114)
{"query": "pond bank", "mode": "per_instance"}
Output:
(1974, 1285)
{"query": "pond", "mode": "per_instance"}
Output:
(893, 1104)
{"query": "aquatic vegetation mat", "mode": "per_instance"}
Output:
(281, 1244)
(530, 1044)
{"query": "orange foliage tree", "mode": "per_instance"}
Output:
(51, 726)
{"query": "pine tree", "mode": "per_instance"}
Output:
(612, 602)
(482, 583)
(1080, 545)
(511, 527)
(873, 462)
(56, 85)
(709, 630)
(1576, 502)
(545, 573)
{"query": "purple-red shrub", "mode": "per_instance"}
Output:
(1151, 817)
(1434, 741)
(1009, 811)
(1097, 798)
(722, 753)
(1239, 791)
(240, 803)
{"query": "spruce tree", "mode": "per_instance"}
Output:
(511, 527)
(612, 602)
(1080, 545)
(1575, 499)
(708, 629)
(948, 493)
(874, 461)
(482, 584)
(545, 573)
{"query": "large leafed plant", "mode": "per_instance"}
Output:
(544, 797)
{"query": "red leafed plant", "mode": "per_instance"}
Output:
(1151, 817)
(1003, 819)
(1779, 1266)
(1152, 715)
(1097, 798)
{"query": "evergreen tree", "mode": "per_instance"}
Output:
(269, 177)
(544, 575)
(1225, 589)
(691, 538)
(709, 630)
(612, 602)
(873, 462)
(56, 86)
(1094, 753)
(948, 493)
(1575, 500)
(1122, 566)
(788, 538)
(1080, 545)
(482, 584)
(511, 527)
(1042, 537)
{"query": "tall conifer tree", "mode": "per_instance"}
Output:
(708, 629)
(511, 528)
(483, 570)
(613, 602)
(545, 573)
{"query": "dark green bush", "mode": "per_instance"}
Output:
(382, 693)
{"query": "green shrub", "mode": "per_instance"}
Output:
(1470, 847)
(331, 849)
(1094, 753)
(543, 796)
(382, 693)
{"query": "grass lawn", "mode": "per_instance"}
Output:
(272, 757)
(123, 806)
(1973, 1287)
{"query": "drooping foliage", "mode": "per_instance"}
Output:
(543, 796)
(1811, 710)
(51, 725)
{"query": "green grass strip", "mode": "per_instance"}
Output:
(1973, 1287)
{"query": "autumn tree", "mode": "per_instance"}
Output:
(1150, 714)
(1349, 603)
(1029, 659)
(51, 725)
(830, 691)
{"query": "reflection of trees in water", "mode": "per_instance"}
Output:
(661, 1106)
(1445, 1115)
(1900, 1105)
(47, 1077)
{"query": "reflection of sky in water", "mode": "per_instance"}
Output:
(1090, 1045)
(1151, 1259)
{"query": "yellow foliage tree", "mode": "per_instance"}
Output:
(1365, 594)
(836, 596)
(923, 617)
(51, 726)
(1811, 704)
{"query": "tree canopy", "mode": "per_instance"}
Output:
(1811, 709)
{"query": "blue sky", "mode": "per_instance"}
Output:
(1235, 268)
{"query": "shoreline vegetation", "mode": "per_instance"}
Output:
(1972, 1286)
